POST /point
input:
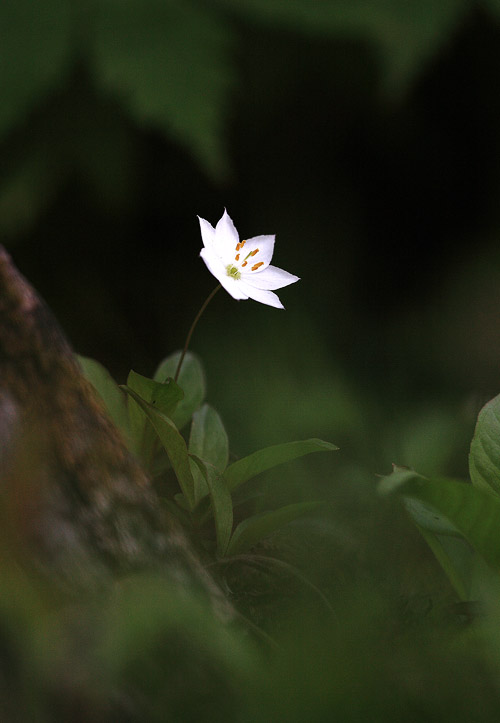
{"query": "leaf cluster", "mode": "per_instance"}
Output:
(177, 436)
(460, 520)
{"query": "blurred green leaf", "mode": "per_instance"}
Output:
(256, 528)
(36, 54)
(248, 467)
(173, 442)
(173, 658)
(109, 391)
(456, 558)
(484, 457)
(428, 519)
(220, 498)
(473, 512)
(208, 440)
(191, 381)
(169, 60)
(164, 396)
(406, 34)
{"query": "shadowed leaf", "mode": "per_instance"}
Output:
(248, 467)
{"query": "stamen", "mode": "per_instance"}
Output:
(237, 257)
(244, 264)
(233, 272)
(240, 245)
(252, 253)
(256, 266)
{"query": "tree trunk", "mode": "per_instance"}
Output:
(76, 505)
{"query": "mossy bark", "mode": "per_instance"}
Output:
(76, 505)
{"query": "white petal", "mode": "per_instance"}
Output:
(226, 238)
(265, 297)
(207, 232)
(213, 262)
(270, 278)
(261, 249)
(217, 268)
(233, 287)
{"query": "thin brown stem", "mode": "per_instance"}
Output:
(193, 325)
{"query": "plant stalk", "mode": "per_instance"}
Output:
(193, 326)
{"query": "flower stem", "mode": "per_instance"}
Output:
(193, 325)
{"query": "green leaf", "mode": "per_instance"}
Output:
(174, 444)
(109, 391)
(248, 467)
(484, 457)
(220, 498)
(163, 396)
(256, 528)
(191, 381)
(170, 62)
(208, 440)
(472, 511)
(456, 558)
(36, 53)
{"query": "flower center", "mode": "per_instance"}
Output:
(233, 272)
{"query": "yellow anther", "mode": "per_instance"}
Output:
(237, 257)
(256, 266)
(255, 251)
(244, 264)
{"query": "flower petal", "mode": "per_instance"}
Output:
(257, 251)
(226, 238)
(265, 297)
(207, 232)
(233, 287)
(213, 262)
(217, 268)
(270, 278)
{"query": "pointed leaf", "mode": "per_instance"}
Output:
(484, 457)
(472, 511)
(109, 391)
(163, 396)
(248, 467)
(191, 380)
(220, 498)
(256, 528)
(173, 442)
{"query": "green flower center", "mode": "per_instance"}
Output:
(233, 272)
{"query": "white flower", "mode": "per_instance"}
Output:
(242, 267)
